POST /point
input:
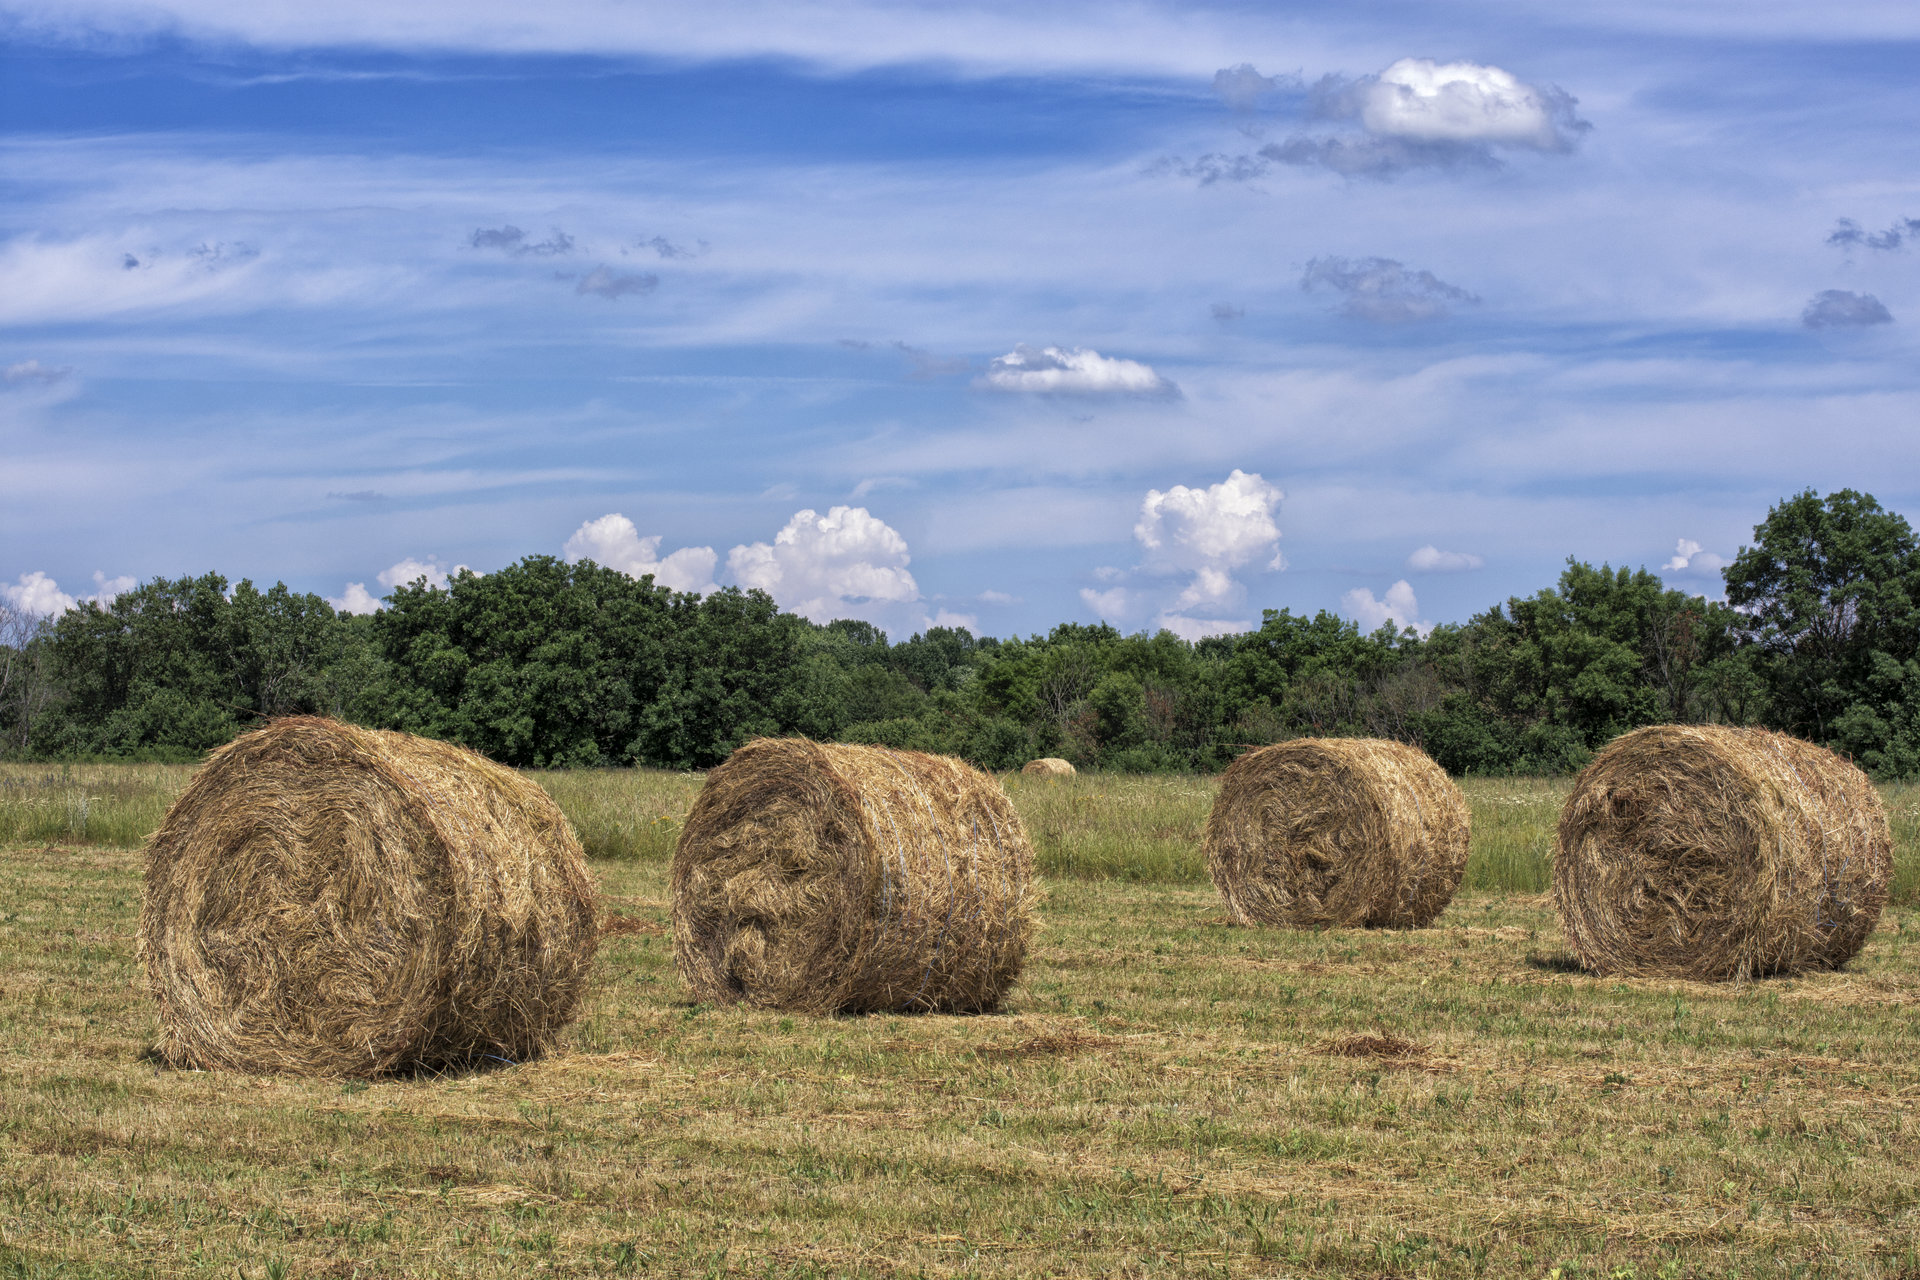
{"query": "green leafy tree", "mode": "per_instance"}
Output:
(542, 663)
(1829, 597)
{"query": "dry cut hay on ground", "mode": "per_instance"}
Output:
(851, 879)
(1699, 851)
(1049, 767)
(1337, 831)
(336, 901)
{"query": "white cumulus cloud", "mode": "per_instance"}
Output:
(1194, 630)
(838, 565)
(1689, 557)
(1419, 113)
(36, 594)
(106, 590)
(1399, 607)
(357, 599)
(1108, 606)
(1431, 559)
(1428, 101)
(1076, 370)
(409, 571)
(613, 541)
(1209, 533)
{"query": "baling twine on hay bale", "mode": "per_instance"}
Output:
(1049, 767)
(336, 901)
(1700, 851)
(1337, 831)
(851, 879)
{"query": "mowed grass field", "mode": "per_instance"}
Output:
(1164, 1094)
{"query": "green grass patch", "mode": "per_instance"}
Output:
(1164, 1094)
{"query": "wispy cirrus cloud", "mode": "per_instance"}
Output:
(31, 373)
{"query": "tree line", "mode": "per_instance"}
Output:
(549, 664)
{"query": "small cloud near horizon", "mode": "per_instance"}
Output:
(1431, 559)
(1398, 607)
(1689, 558)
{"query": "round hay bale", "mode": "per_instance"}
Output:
(336, 901)
(1337, 831)
(1698, 851)
(1049, 767)
(851, 879)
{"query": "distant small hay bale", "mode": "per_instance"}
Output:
(1049, 767)
(335, 901)
(1337, 831)
(851, 879)
(1698, 851)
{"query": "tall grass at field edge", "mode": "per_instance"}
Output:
(1143, 828)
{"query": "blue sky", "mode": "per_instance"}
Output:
(1160, 313)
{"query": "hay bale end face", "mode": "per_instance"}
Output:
(1337, 831)
(1049, 767)
(336, 901)
(851, 879)
(1700, 851)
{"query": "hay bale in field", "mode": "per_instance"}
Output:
(1337, 831)
(337, 901)
(1049, 767)
(851, 879)
(1697, 851)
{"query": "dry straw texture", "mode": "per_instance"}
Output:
(1050, 767)
(851, 879)
(1698, 851)
(336, 901)
(1337, 831)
